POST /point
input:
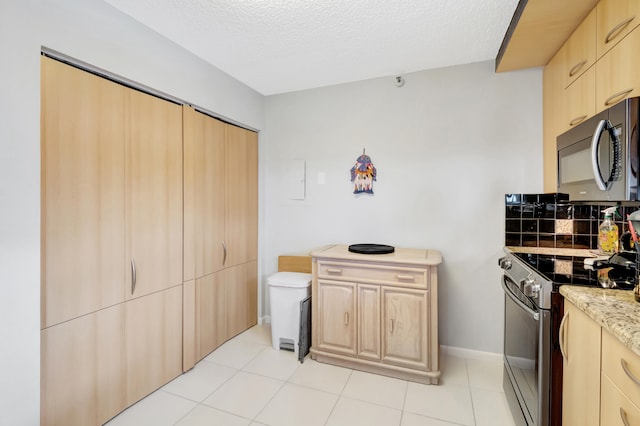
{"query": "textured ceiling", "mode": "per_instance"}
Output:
(277, 46)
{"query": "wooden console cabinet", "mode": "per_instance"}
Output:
(377, 313)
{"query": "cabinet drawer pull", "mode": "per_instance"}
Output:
(628, 372)
(617, 29)
(615, 96)
(406, 277)
(334, 270)
(577, 120)
(346, 319)
(577, 67)
(623, 416)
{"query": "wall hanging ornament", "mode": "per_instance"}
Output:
(363, 173)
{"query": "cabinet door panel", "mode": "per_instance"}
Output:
(579, 51)
(155, 192)
(83, 369)
(242, 196)
(580, 100)
(581, 369)
(83, 184)
(615, 19)
(405, 327)
(337, 328)
(369, 322)
(616, 408)
(616, 76)
(153, 336)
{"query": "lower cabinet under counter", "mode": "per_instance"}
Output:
(377, 313)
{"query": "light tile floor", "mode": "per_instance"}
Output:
(246, 382)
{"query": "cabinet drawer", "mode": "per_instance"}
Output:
(580, 100)
(615, 19)
(378, 274)
(616, 408)
(616, 76)
(579, 51)
(622, 366)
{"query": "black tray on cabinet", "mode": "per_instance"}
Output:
(371, 248)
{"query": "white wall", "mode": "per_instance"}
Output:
(447, 147)
(93, 32)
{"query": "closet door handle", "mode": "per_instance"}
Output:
(617, 29)
(224, 253)
(391, 326)
(610, 100)
(346, 319)
(577, 67)
(134, 277)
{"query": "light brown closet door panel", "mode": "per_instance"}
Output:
(252, 293)
(211, 311)
(241, 296)
(212, 197)
(83, 181)
(154, 199)
(242, 195)
(191, 138)
(153, 336)
(83, 369)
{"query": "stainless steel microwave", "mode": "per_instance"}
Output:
(598, 159)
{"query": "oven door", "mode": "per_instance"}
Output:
(527, 334)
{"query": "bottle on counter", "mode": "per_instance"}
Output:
(608, 233)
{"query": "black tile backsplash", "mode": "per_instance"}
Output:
(530, 220)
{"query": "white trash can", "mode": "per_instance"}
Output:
(286, 291)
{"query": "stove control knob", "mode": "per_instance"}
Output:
(505, 263)
(530, 288)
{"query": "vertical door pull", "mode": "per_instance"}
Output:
(224, 253)
(133, 276)
(563, 325)
(391, 326)
(346, 319)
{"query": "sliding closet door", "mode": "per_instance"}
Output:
(83, 181)
(154, 199)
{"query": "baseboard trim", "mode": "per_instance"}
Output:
(266, 319)
(471, 353)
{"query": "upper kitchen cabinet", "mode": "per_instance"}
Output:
(83, 192)
(578, 53)
(616, 19)
(616, 72)
(552, 107)
(537, 31)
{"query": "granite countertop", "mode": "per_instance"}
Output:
(615, 310)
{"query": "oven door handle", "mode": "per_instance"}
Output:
(535, 315)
